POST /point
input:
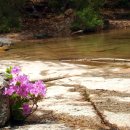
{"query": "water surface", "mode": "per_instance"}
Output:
(111, 44)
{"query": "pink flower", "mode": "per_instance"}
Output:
(20, 79)
(25, 91)
(22, 91)
(38, 88)
(26, 109)
(9, 91)
(16, 70)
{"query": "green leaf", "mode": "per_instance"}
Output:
(16, 106)
(8, 70)
(8, 76)
(14, 96)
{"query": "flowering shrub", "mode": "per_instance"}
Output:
(23, 94)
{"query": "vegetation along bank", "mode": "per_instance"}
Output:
(54, 18)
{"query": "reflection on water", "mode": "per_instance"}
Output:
(109, 44)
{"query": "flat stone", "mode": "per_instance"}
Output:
(120, 119)
(68, 106)
(110, 84)
(111, 97)
(44, 69)
(114, 109)
(64, 102)
(43, 127)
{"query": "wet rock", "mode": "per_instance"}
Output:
(41, 36)
(4, 103)
(5, 43)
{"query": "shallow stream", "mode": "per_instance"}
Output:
(111, 44)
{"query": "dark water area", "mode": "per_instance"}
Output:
(111, 44)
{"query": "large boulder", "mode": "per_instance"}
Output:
(4, 102)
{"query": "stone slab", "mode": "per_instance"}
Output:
(105, 86)
(43, 127)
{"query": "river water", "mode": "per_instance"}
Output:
(111, 44)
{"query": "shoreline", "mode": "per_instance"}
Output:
(27, 36)
(122, 60)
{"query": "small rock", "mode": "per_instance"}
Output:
(5, 43)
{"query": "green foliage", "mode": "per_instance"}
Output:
(8, 74)
(87, 19)
(8, 70)
(9, 23)
(10, 15)
(87, 12)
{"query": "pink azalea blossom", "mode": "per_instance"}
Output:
(16, 70)
(41, 87)
(9, 91)
(26, 109)
(38, 88)
(20, 85)
(22, 91)
(20, 79)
